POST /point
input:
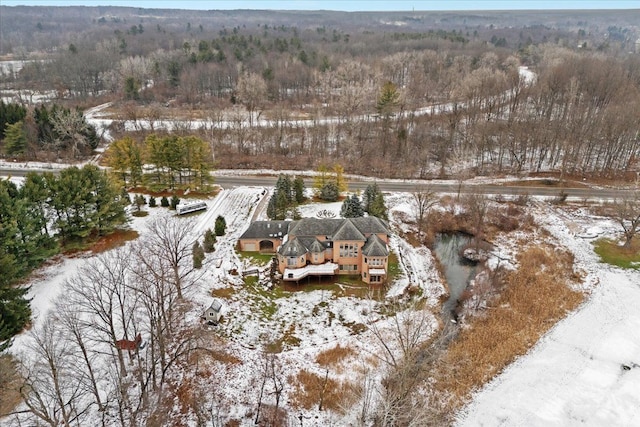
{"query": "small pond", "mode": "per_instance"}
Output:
(457, 270)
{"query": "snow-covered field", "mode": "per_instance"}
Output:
(586, 370)
(575, 375)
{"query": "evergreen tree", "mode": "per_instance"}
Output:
(10, 113)
(329, 192)
(378, 207)
(209, 241)
(271, 207)
(164, 202)
(352, 207)
(388, 99)
(15, 139)
(175, 201)
(105, 209)
(220, 226)
(198, 255)
(374, 202)
(139, 201)
(14, 311)
(369, 195)
(284, 187)
(298, 189)
(14, 307)
(152, 202)
(85, 201)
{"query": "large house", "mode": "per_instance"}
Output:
(323, 247)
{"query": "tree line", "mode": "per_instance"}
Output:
(39, 216)
(174, 161)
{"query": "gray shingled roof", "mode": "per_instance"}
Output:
(375, 247)
(348, 231)
(335, 229)
(266, 230)
(371, 224)
(316, 247)
(315, 227)
(292, 248)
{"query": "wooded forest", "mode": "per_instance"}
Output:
(152, 101)
(439, 93)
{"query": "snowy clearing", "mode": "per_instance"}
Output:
(586, 370)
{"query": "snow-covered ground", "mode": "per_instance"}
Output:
(586, 370)
(307, 321)
(575, 374)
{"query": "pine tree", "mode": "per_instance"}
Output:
(352, 207)
(15, 139)
(105, 210)
(10, 113)
(164, 202)
(209, 241)
(271, 207)
(139, 201)
(369, 195)
(329, 192)
(378, 207)
(198, 255)
(175, 201)
(152, 202)
(284, 187)
(14, 307)
(374, 202)
(298, 189)
(220, 226)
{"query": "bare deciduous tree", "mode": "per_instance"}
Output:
(53, 390)
(251, 90)
(403, 350)
(170, 240)
(626, 212)
(423, 199)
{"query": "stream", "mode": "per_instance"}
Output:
(457, 270)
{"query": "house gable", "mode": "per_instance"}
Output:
(348, 232)
(375, 247)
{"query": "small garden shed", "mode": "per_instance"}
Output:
(213, 314)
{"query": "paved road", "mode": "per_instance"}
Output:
(438, 187)
(409, 186)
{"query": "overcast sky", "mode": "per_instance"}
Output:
(345, 5)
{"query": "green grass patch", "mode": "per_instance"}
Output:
(612, 253)
(262, 299)
(256, 258)
(393, 267)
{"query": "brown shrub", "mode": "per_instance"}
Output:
(333, 356)
(113, 240)
(310, 389)
(10, 383)
(535, 297)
